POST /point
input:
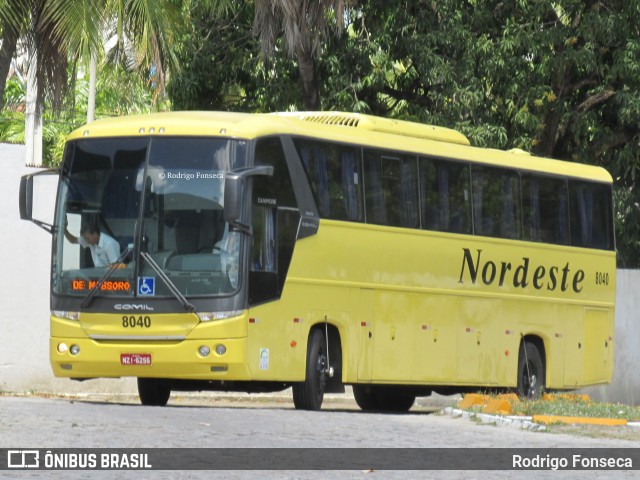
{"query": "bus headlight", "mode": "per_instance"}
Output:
(74, 349)
(204, 351)
(65, 314)
(209, 316)
(221, 349)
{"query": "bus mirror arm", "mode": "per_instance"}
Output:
(45, 226)
(240, 227)
(234, 193)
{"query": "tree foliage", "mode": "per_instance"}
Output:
(221, 66)
(304, 26)
(556, 78)
(32, 21)
(559, 79)
(119, 92)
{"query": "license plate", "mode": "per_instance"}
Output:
(135, 359)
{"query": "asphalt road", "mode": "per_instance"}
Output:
(233, 422)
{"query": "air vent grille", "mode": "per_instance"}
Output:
(381, 125)
(340, 120)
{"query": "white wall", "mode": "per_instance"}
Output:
(25, 252)
(25, 261)
(625, 385)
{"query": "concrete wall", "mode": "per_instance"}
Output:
(24, 300)
(625, 385)
(25, 261)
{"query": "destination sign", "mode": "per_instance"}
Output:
(79, 285)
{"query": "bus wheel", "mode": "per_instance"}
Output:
(366, 397)
(308, 395)
(392, 400)
(153, 392)
(531, 374)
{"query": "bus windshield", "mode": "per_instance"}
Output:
(149, 211)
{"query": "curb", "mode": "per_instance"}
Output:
(610, 422)
(525, 423)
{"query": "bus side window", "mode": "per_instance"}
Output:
(273, 241)
(314, 162)
(496, 202)
(446, 201)
(545, 209)
(391, 190)
(276, 190)
(590, 211)
(375, 204)
(263, 251)
(334, 174)
(351, 184)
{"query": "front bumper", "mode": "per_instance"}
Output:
(168, 359)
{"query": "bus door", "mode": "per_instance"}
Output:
(435, 346)
(393, 319)
(477, 344)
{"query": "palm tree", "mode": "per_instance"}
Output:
(9, 39)
(47, 71)
(57, 32)
(305, 25)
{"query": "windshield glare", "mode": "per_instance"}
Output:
(160, 196)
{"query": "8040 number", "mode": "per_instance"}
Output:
(602, 278)
(136, 322)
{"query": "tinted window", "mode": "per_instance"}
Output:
(391, 189)
(278, 187)
(335, 177)
(545, 209)
(496, 202)
(591, 222)
(446, 196)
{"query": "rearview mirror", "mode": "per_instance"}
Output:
(26, 200)
(26, 197)
(234, 188)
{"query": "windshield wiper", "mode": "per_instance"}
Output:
(167, 281)
(112, 268)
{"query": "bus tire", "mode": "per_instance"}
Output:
(531, 372)
(308, 395)
(393, 400)
(366, 397)
(153, 392)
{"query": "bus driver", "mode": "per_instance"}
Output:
(105, 249)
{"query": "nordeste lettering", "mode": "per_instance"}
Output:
(521, 274)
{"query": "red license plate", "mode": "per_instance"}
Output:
(135, 359)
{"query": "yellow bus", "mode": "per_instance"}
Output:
(257, 252)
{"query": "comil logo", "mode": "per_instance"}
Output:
(132, 306)
(23, 459)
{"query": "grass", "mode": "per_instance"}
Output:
(571, 405)
(576, 406)
(564, 405)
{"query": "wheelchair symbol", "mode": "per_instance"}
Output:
(146, 286)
